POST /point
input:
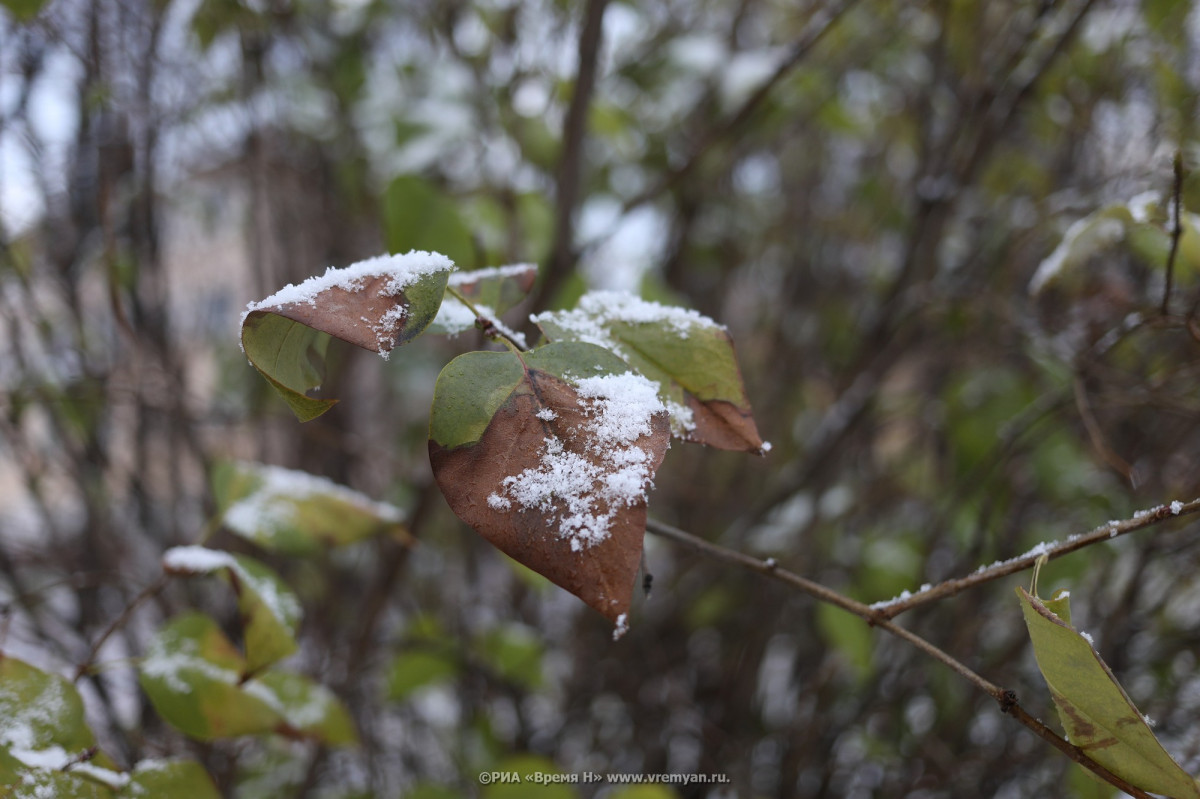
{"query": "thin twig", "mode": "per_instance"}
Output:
(1176, 230)
(1140, 520)
(570, 164)
(148, 592)
(744, 112)
(1006, 699)
(1096, 434)
(487, 325)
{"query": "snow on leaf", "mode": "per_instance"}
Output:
(298, 513)
(42, 720)
(270, 611)
(688, 356)
(308, 707)
(550, 457)
(192, 674)
(1098, 715)
(377, 304)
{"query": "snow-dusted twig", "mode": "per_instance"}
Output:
(891, 608)
(870, 614)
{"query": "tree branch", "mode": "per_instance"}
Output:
(1176, 230)
(1006, 699)
(891, 608)
(570, 164)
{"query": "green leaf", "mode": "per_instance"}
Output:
(299, 513)
(549, 456)
(410, 671)
(39, 711)
(492, 291)
(23, 10)
(377, 304)
(690, 358)
(419, 216)
(515, 653)
(193, 674)
(176, 779)
(848, 635)
(1098, 715)
(308, 707)
(270, 611)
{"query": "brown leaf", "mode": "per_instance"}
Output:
(723, 425)
(473, 478)
(365, 316)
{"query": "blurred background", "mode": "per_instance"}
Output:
(862, 191)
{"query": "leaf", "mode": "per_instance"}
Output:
(549, 458)
(23, 10)
(515, 653)
(193, 673)
(492, 291)
(39, 783)
(689, 356)
(39, 711)
(377, 304)
(308, 707)
(177, 779)
(298, 513)
(270, 611)
(1098, 715)
(416, 669)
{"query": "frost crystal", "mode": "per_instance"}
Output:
(1176, 507)
(586, 492)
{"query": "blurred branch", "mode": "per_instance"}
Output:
(745, 111)
(1145, 518)
(1005, 698)
(1176, 230)
(563, 254)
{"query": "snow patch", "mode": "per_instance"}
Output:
(271, 508)
(1176, 507)
(586, 493)
(622, 626)
(490, 273)
(596, 310)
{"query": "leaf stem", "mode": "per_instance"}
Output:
(148, 592)
(486, 324)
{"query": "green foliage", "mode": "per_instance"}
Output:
(1098, 715)
(296, 513)
(417, 216)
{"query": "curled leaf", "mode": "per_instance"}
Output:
(1098, 715)
(689, 356)
(377, 304)
(549, 457)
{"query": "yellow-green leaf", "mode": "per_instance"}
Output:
(1098, 715)
(687, 355)
(298, 513)
(193, 674)
(176, 779)
(309, 708)
(270, 611)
